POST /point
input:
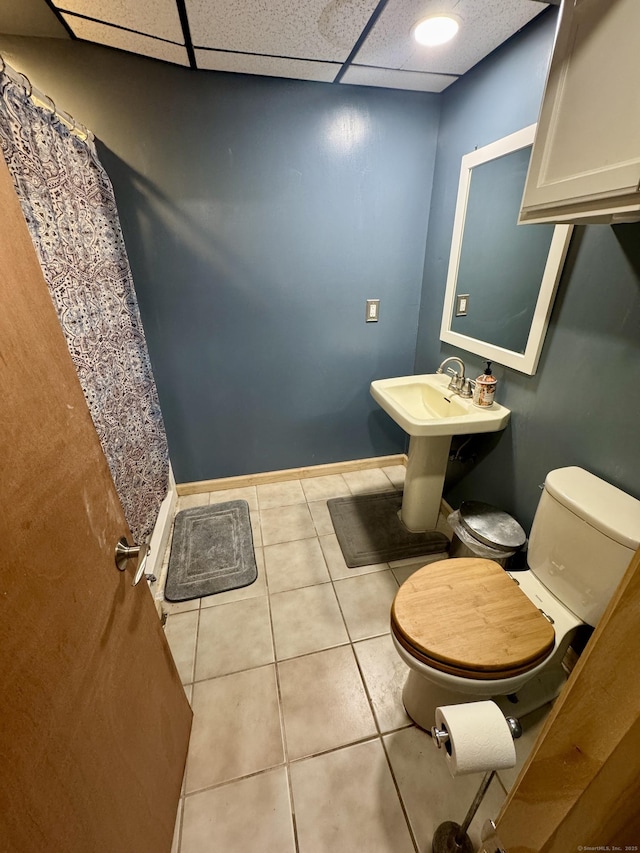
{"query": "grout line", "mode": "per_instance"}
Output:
(235, 779)
(367, 694)
(283, 732)
(195, 649)
(287, 764)
(366, 739)
(332, 580)
(292, 809)
(277, 661)
(283, 735)
(399, 794)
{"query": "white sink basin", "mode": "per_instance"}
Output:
(422, 405)
(425, 408)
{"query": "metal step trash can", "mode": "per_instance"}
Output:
(482, 530)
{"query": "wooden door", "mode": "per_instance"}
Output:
(580, 787)
(94, 723)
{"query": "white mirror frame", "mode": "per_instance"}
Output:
(526, 362)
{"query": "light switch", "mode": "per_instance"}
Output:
(462, 304)
(372, 311)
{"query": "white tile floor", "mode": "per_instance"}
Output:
(300, 741)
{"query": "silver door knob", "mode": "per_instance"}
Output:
(126, 552)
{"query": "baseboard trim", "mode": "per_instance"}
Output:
(445, 507)
(198, 486)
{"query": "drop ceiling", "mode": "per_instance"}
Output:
(363, 42)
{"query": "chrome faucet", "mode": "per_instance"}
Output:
(458, 383)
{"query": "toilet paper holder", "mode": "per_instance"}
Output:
(441, 736)
(451, 836)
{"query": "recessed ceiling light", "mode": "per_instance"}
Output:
(436, 30)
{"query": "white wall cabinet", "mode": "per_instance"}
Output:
(585, 163)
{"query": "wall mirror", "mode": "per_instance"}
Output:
(502, 276)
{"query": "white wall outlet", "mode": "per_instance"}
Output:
(372, 311)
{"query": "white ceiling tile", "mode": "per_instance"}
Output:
(307, 29)
(153, 17)
(124, 40)
(484, 24)
(300, 69)
(158, 18)
(309, 39)
(391, 78)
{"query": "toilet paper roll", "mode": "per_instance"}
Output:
(479, 737)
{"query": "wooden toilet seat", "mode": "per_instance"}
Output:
(467, 617)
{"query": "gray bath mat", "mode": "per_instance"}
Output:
(212, 551)
(369, 530)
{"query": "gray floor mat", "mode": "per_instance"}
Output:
(212, 551)
(369, 530)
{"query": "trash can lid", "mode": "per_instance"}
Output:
(492, 526)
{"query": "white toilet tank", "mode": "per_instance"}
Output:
(584, 534)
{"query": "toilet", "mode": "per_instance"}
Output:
(467, 629)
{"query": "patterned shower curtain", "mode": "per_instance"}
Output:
(68, 203)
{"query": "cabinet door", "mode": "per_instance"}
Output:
(586, 156)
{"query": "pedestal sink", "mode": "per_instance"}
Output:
(426, 409)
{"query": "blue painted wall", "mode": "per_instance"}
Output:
(581, 407)
(289, 204)
(255, 241)
(259, 215)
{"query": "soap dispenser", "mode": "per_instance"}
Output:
(484, 389)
